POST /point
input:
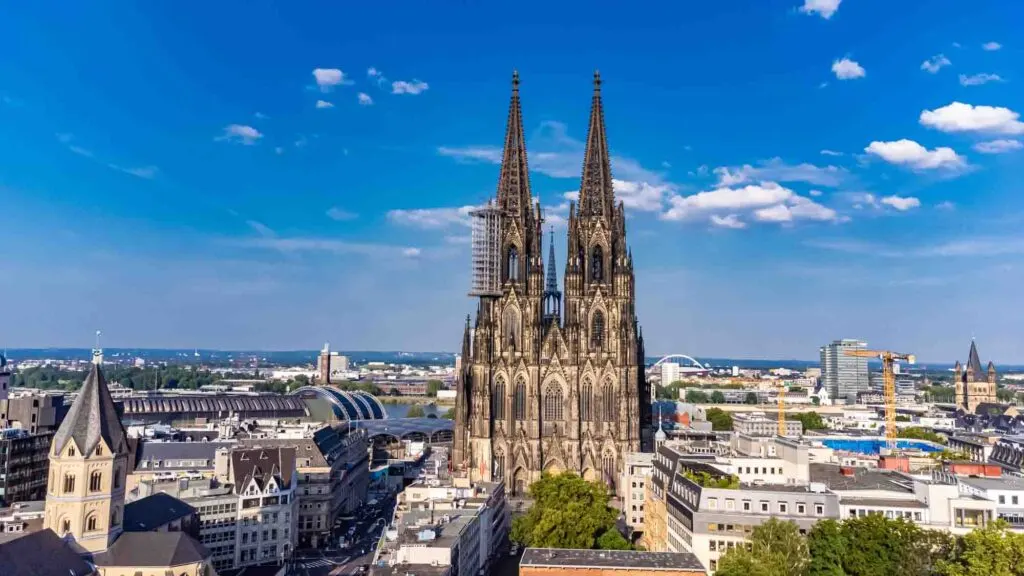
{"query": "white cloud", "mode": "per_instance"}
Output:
(324, 104)
(403, 87)
(964, 247)
(728, 221)
(960, 117)
(488, 154)
(340, 214)
(328, 78)
(979, 79)
(769, 202)
(364, 99)
(777, 170)
(911, 154)
(241, 134)
(814, 193)
(991, 46)
(935, 63)
(431, 218)
(901, 203)
(998, 146)
(147, 172)
(261, 116)
(641, 195)
(377, 76)
(847, 69)
(411, 252)
(946, 205)
(823, 8)
(329, 245)
(827, 152)
(261, 228)
(458, 239)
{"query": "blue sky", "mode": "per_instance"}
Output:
(275, 175)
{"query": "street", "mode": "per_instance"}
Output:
(361, 535)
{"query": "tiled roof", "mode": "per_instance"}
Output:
(153, 511)
(263, 464)
(41, 553)
(153, 550)
(92, 417)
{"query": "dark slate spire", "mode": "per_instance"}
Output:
(92, 417)
(514, 182)
(596, 195)
(551, 284)
(552, 298)
(974, 362)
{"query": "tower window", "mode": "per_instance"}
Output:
(511, 326)
(608, 393)
(597, 264)
(71, 450)
(586, 401)
(498, 401)
(512, 264)
(499, 465)
(65, 526)
(114, 520)
(69, 483)
(597, 330)
(553, 403)
(519, 407)
(90, 524)
(94, 482)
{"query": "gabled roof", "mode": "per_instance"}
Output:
(262, 465)
(973, 361)
(153, 550)
(92, 417)
(154, 511)
(41, 553)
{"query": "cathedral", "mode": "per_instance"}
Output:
(974, 385)
(546, 385)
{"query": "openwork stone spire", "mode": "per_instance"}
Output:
(596, 194)
(514, 181)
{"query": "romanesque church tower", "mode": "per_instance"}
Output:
(88, 468)
(546, 385)
(974, 385)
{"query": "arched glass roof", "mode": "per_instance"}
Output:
(347, 405)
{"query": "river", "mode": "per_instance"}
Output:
(400, 410)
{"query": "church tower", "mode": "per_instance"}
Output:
(88, 468)
(547, 384)
(974, 385)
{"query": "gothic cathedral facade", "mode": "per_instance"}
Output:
(546, 385)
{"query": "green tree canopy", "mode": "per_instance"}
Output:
(717, 397)
(449, 414)
(776, 549)
(696, 397)
(918, 433)
(433, 386)
(720, 419)
(416, 411)
(567, 512)
(988, 551)
(751, 398)
(810, 420)
(874, 544)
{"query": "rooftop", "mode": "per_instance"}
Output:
(153, 511)
(570, 558)
(153, 549)
(861, 479)
(1001, 483)
(41, 553)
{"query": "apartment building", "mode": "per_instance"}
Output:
(24, 462)
(636, 471)
(450, 527)
(332, 464)
(266, 486)
(758, 424)
(708, 511)
(162, 460)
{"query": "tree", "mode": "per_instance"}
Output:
(751, 398)
(810, 420)
(776, 549)
(433, 386)
(612, 539)
(1005, 395)
(567, 512)
(816, 400)
(449, 414)
(696, 397)
(416, 411)
(988, 551)
(873, 544)
(918, 433)
(717, 397)
(302, 380)
(720, 419)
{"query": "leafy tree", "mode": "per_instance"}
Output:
(567, 512)
(720, 419)
(612, 539)
(938, 393)
(902, 418)
(449, 414)
(717, 397)
(918, 433)
(871, 545)
(1005, 395)
(810, 420)
(706, 480)
(776, 549)
(696, 397)
(751, 398)
(989, 551)
(416, 411)
(433, 386)
(815, 400)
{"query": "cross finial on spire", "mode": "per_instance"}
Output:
(515, 80)
(597, 81)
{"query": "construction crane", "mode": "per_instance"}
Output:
(889, 386)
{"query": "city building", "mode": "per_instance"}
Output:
(159, 460)
(543, 391)
(450, 526)
(36, 413)
(331, 366)
(570, 562)
(843, 375)
(636, 471)
(670, 373)
(21, 518)
(333, 471)
(24, 462)
(5, 379)
(974, 385)
(85, 496)
(266, 485)
(758, 424)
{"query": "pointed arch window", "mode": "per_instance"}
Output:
(510, 323)
(512, 264)
(597, 330)
(608, 401)
(608, 467)
(519, 407)
(115, 519)
(65, 526)
(117, 477)
(553, 404)
(95, 481)
(499, 465)
(69, 483)
(90, 523)
(498, 400)
(586, 401)
(597, 264)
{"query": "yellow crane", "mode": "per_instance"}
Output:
(889, 385)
